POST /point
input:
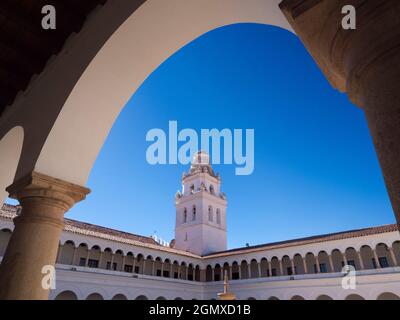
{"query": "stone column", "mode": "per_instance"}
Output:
(293, 266)
(395, 262)
(87, 258)
(361, 260)
(363, 62)
(74, 256)
(34, 242)
(270, 268)
(100, 258)
(259, 269)
(280, 267)
(331, 263)
(378, 265)
(317, 264)
(305, 265)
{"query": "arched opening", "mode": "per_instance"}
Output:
(275, 267)
(354, 297)
(217, 273)
(149, 265)
(178, 298)
(235, 271)
(287, 266)
(119, 297)
(367, 257)
(254, 269)
(95, 296)
(297, 297)
(384, 257)
(158, 267)
(298, 264)
(337, 260)
(190, 272)
(107, 258)
(210, 214)
(396, 252)
(128, 263)
(175, 269)
(139, 263)
(94, 257)
(352, 258)
(197, 273)
(323, 260)
(388, 296)
(141, 297)
(273, 298)
(161, 298)
(226, 269)
(118, 261)
(264, 267)
(311, 263)
(167, 269)
(244, 270)
(66, 295)
(324, 297)
(251, 298)
(81, 255)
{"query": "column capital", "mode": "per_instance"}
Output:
(59, 193)
(362, 62)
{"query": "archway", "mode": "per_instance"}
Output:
(141, 297)
(388, 296)
(297, 297)
(66, 295)
(95, 296)
(324, 297)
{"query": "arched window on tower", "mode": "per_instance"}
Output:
(184, 215)
(212, 189)
(194, 213)
(218, 216)
(210, 213)
(192, 188)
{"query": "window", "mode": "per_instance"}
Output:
(166, 274)
(322, 268)
(383, 262)
(186, 237)
(212, 189)
(114, 266)
(108, 265)
(273, 272)
(210, 213)
(184, 215)
(158, 273)
(218, 216)
(351, 263)
(194, 213)
(82, 262)
(128, 268)
(289, 271)
(190, 277)
(93, 263)
(137, 269)
(192, 188)
(176, 275)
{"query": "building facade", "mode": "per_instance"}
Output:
(96, 263)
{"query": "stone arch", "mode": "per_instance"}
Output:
(311, 263)
(94, 296)
(148, 266)
(353, 258)
(163, 37)
(337, 260)
(161, 298)
(273, 298)
(235, 271)
(275, 267)
(367, 257)
(287, 266)
(141, 297)
(388, 296)
(298, 264)
(217, 273)
(209, 276)
(178, 298)
(66, 295)
(158, 265)
(10, 149)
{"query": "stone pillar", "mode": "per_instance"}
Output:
(364, 63)
(74, 256)
(203, 275)
(331, 263)
(378, 265)
(123, 263)
(34, 242)
(240, 271)
(259, 269)
(395, 262)
(305, 265)
(60, 247)
(293, 266)
(361, 260)
(280, 267)
(212, 275)
(317, 264)
(230, 272)
(344, 258)
(270, 268)
(100, 259)
(87, 258)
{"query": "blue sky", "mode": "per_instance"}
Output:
(316, 170)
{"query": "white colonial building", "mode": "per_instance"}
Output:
(99, 263)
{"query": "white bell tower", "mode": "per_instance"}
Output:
(200, 210)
